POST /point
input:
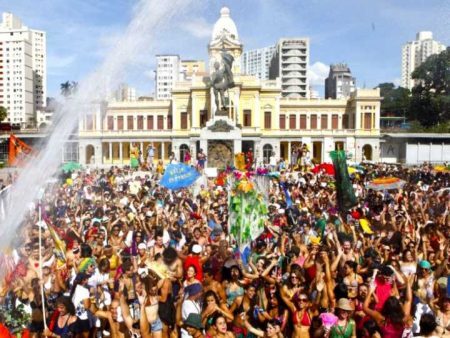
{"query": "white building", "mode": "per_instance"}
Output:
(415, 53)
(256, 62)
(167, 74)
(125, 93)
(23, 82)
(290, 63)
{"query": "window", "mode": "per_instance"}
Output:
(130, 122)
(160, 125)
(313, 121)
(203, 118)
(120, 122)
(282, 121)
(169, 121)
(184, 120)
(303, 121)
(345, 121)
(89, 122)
(70, 153)
(324, 122)
(334, 121)
(247, 118)
(140, 122)
(267, 152)
(292, 121)
(110, 123)
(150, 122)
(367, 121)
(267, 120)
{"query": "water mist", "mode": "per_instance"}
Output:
(150, 16)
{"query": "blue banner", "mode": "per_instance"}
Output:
(179, 175)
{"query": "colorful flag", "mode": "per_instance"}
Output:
(179, 176)
(344, 189)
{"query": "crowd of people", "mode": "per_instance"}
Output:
(124, 257)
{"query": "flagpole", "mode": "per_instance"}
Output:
(41, 192)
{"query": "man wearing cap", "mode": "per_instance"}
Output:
(191, 305)
(193, 325)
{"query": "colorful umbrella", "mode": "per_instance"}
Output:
(71, 166)
(386, 183)
(327, 167)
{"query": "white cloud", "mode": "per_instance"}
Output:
(199, 28)
(318, 72)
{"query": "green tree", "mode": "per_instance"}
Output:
(3, 113)
(65, 88)
(430, 103)
(396, 101)
(68, 88)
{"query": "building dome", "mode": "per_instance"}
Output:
(225, 27)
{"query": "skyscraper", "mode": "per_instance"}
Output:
(256, 62)
(340, 83)
(414, 53)
(167, 74)
(290, 63)
(23, 82)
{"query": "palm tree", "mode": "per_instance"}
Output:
(66, 88)
(3, 113)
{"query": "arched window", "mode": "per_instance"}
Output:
(90, 154)
(184, 149)
(367, 152)
(267, 152)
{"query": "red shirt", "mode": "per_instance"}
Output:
(195, 262)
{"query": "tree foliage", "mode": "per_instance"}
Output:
(3, 113)
(395, 101)
(430, 102)
(68, 88)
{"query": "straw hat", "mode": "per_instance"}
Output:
(344, 304)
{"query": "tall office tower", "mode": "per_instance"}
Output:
(256, 62)
(290, 63)
(167, 74)
(340, 83)
(23, 72)
(415, 53)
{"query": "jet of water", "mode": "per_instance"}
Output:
(150, 17)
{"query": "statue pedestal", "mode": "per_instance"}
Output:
(220, 140)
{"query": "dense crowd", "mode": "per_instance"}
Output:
(124, 257)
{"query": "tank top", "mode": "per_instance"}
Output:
(389, 330)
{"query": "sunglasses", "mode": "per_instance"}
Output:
(303, 300)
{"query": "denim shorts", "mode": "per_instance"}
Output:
(157, 325)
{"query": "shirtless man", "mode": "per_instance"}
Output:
(210, 284)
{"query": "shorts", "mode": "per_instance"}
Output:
(157, 325)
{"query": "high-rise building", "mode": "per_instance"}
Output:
(340, 83)
(125, 93)
(415, 53)
(23, 82)
(167, 74)
(256, 62)
(189, 68)
(290, 63)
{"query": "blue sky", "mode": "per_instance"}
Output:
(366, 34)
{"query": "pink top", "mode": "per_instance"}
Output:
(383, 292)
(389, 330)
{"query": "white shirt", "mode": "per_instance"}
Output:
(81, 293)
(189, 306)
